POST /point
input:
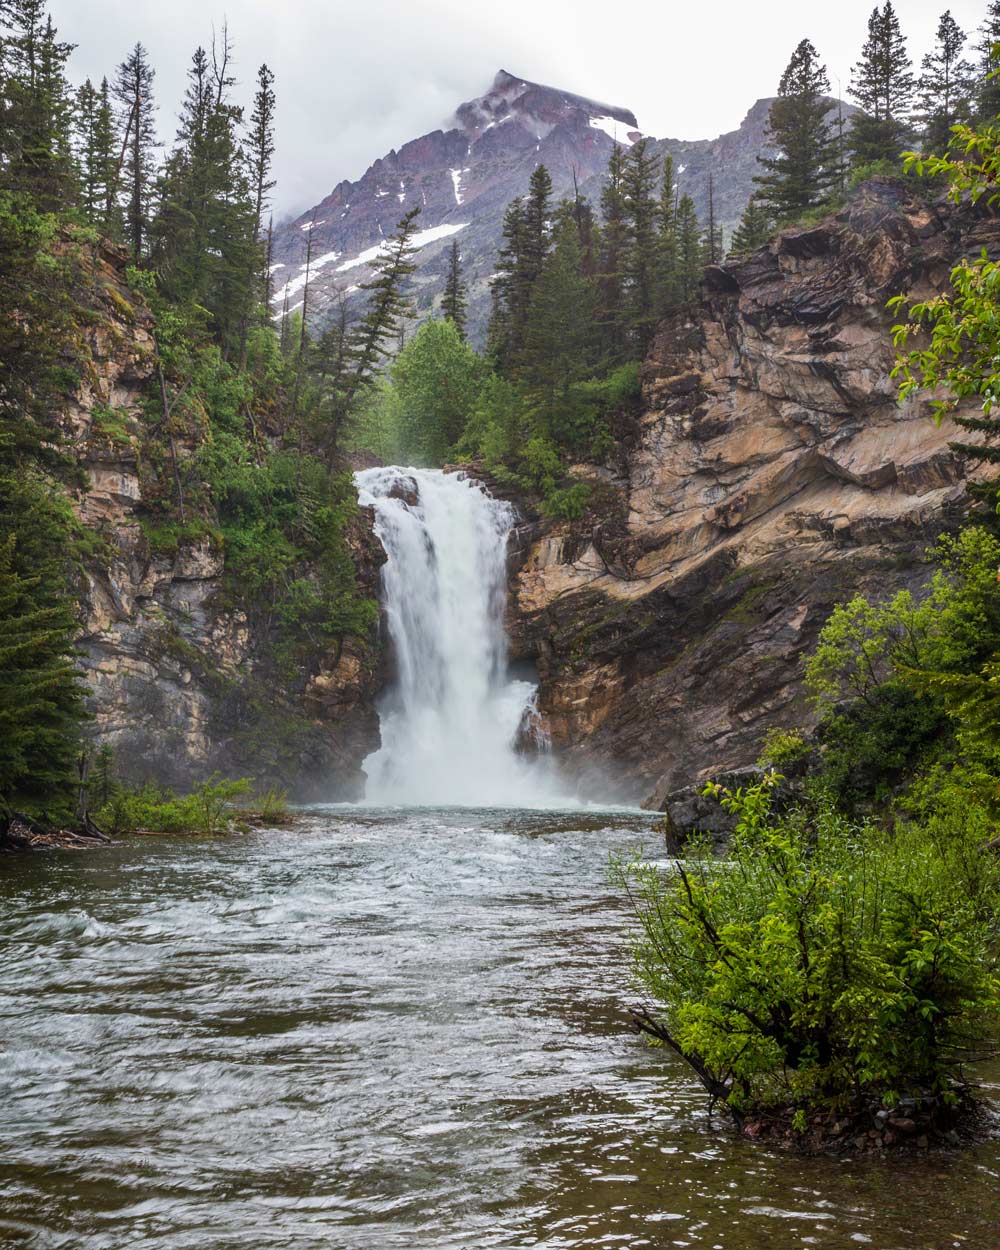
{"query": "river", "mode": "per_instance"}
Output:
(382, 1031)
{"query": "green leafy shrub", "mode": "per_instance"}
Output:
(825, 963)
(207, 809)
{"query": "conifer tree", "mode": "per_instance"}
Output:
(132, 90)
(558, 346)
(526, 231)
(800, 176)
(36, 156)
(41, 698)
(95, 142)
(689, 252)
(666, 223)
(454, 302)
(611, 267)
(261, 155)
(639, 177)
(987, 95)
(711, 244)
(882, 84)
(753, 231)
(946, 86)
(500, 342)
(387, 304)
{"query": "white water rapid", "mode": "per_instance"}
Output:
(451, 720)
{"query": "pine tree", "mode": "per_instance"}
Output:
(387, 304)
(753, 231)
(454, 302)
(611, 267)
(558, 349)
(37, 156)
(882, 84)
(711, 243)
(500, 342)
(95, 149)
(946, 86)
(261, 156)
(800, 177)
(987, 94)
(41, 698)
(526, 230)
(689, 257)
(666, 251)
(639, 176)
(132, 90)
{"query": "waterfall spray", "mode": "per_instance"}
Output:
(451, 720)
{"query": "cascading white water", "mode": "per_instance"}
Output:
(451, 720)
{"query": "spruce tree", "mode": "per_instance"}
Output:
(559, 342)
(639, 178)
(95, 149)
(711, 243)
(754, 229)
(666, 244)
(882, 84)
(132, 90)
(611, 267)
(500, 340)
(454, 302)
(378, 331)
(261, 155)
(987, 94)
(41, 698)
(946, 86)
(689, 252)
(800, 176)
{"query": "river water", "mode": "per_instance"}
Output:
(385, 1030)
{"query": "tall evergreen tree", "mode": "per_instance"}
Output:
(666, 250)
(753, 231)
(132, 90)
(611, 267)
(36, 135)
(261, 155)
(558, 349)
(882, 84)
(800, 176)
(711, 244)
(946, 86)
(526, 231)
(41, 697)
(987, 93)
(689, 252)
(378, 331)
(96, 155)
(454, 302)
(639, 179)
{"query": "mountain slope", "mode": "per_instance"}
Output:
(464, 177)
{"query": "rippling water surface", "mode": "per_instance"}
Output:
(385, 1030)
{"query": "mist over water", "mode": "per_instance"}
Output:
(452, 718)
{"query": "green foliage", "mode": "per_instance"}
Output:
(882, 86)
(437, 378)
(208, 809)
(800, 177)
(825, 963)
(41, 697)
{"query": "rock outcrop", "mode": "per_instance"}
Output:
(773, 474)
(181, 680)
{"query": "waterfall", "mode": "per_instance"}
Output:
(451, 719)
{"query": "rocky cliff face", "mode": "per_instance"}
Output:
(772, 474)
(180, 680)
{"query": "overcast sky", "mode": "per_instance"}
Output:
(355, 80)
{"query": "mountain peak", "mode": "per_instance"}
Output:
(539, 108)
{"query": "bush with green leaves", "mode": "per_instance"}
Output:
(208, 809)
(825, 963)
